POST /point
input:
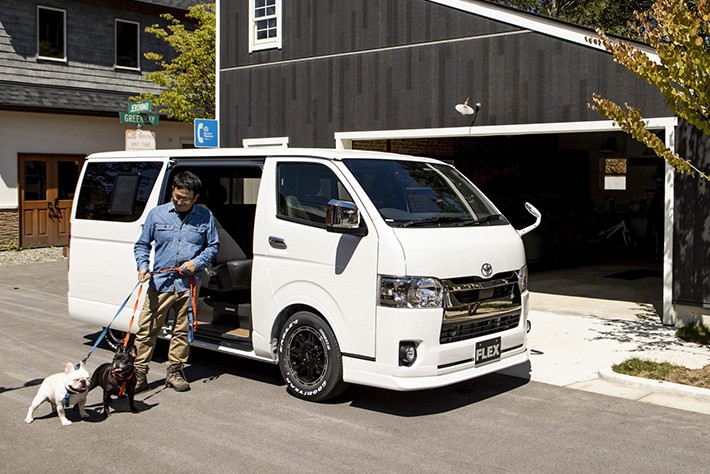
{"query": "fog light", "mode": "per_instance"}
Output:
(407, 353)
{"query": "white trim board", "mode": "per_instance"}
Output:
(373, 50)
(537, 23)
(658, 123)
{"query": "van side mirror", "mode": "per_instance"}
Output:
(343, 217)
(536, 214)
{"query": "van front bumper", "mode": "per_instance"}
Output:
(437, 364)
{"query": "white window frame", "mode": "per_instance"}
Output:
(268, 43)
(50, 58)
(265, 142)
(115, 45)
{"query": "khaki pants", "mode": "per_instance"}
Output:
(152, 319)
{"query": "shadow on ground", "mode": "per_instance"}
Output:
(644, 334)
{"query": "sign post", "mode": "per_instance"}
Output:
(137, 140)
(139, 113)
(139, 118)
(206, 133)
(140, 107)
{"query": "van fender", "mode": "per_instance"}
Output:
(306, 295)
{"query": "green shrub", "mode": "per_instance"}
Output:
(695, 332)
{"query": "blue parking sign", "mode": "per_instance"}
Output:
(206, 133)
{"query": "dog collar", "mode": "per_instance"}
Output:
(118, 376)
(66, 399)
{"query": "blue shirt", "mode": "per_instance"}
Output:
(176, 241)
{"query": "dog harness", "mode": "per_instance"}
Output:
(123, 380)
(66, 397)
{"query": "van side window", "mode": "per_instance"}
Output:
(305, 189)
(116, 191)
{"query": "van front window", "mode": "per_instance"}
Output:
(423, 194)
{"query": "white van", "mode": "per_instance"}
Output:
(340, 266)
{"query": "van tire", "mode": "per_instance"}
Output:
(320, 376)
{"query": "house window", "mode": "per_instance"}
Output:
(127, 44)
(51, 33)
(265, 24)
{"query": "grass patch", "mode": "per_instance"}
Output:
(696, 332)
(647, 369)
(664, 371)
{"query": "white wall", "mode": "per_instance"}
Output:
(23, 132)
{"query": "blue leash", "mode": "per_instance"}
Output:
(123, 305)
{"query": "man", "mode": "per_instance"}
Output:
(184, 237)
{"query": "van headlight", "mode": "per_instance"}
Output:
(411, 292)
(523, 278)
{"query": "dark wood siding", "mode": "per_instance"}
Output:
(318, 28)
(521, 77)
(691, 233)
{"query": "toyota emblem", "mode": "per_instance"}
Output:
(487, 269)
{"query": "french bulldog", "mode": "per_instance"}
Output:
(117, 378)
(61, 390)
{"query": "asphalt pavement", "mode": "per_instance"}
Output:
(584, 320)
(239, 418)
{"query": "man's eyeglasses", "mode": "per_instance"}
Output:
(182, 199)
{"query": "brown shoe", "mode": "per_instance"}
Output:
(141, 381)
(175, 378)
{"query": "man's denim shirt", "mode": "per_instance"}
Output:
(176, 241)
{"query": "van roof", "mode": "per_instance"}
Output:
(255, 152)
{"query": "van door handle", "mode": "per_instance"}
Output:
(277, 242)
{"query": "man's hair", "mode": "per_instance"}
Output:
(187, 180)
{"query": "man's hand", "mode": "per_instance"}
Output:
(188, 267)
(143, 275)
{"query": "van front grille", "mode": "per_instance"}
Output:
(453, 332)
(476, 307)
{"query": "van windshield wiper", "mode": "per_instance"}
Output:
(449, 221)
(491, 218)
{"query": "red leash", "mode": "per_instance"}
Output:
(192, 313)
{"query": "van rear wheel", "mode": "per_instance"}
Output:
(310, 359)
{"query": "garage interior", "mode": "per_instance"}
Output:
(600, 194)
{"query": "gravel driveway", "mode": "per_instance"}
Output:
(38, 255)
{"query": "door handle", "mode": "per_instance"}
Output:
(56, 208)
(277, 242)
(52, 213)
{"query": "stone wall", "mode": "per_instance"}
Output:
(9, 229)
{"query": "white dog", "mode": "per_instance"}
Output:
(61, 390)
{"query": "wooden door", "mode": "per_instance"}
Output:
(47, 186)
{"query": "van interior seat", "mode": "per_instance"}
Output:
(231, 268)
(307, 200)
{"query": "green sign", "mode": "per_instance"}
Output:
(139, 107)
(139, 119)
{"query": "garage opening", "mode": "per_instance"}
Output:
(600, 193)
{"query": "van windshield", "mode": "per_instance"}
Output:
(419, 194)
